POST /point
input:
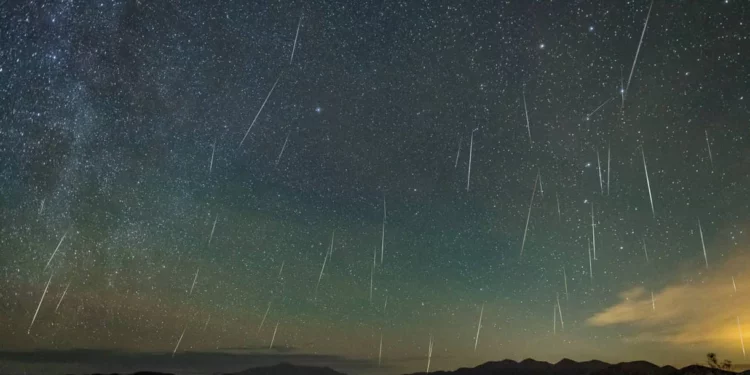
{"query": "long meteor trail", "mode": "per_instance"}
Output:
(57, 248)
(39, 305)
(178, 342)
(479, 327)
(259, 111)
(637, 51)
(295, 39)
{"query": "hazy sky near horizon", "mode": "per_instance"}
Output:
(315, 178)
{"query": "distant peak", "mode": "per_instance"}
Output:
(565, 362)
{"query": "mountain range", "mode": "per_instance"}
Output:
(510, 367)
(570, 367)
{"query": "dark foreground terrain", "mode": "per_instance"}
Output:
(509, 367)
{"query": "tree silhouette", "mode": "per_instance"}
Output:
(713, 362)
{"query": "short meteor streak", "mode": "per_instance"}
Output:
(742, 340)
(429, 355)
(593, 230)
(541, 187)
(479, 327)
(598, 108)
(648, 183)
(178, 342)
(380, 351)
(61, 297)
(591, 266)
(460, 139)
(322, 268)
(565, 278)
(382, 234)
(622, 90)
(259, 111)
(554, 319)
(213, 228)
(57, 248)
(282, 150)
(264, 317)
(599, 165)
(559, 310)
(526, 110)
(330, 251)
(734, 285)
(194, 280)
(211, 164)
(39, 305)
(207, 320)
(559, 215)
(710, 156)
(653, 301)
(471, 151)
(645, 251)
(700, 229)
(372, 272)
(528, 217)
(608, 169)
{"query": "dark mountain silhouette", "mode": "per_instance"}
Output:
(570, 367)
(288, 369)
(509, 367)
(280, 369)
(701, 370)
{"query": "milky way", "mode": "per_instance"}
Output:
(121, 179)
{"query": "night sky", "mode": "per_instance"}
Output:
(416, 133)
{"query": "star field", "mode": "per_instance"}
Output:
(192, 188)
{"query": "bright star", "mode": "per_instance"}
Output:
(318, 109)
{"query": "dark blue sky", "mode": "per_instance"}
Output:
(121, 131)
